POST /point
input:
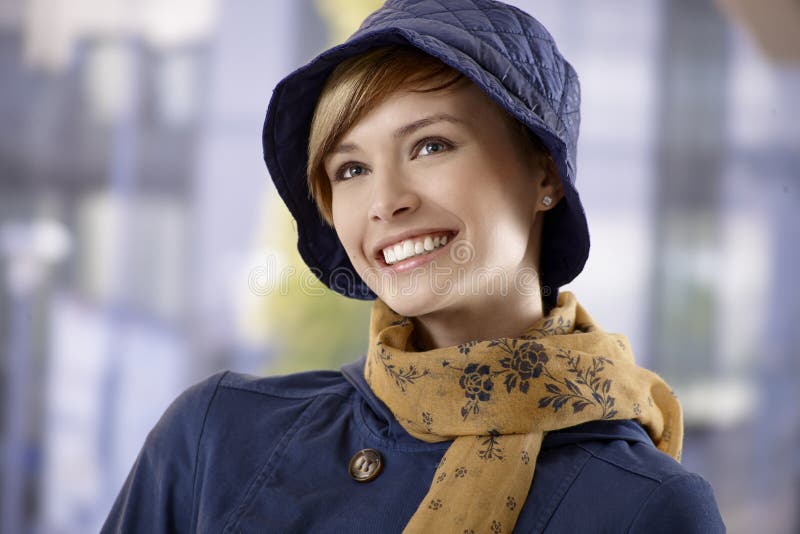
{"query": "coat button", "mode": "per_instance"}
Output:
(365, 465)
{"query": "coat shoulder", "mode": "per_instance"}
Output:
(220, 399)
(631, 486)
(675, 499)
(299, 386)
(188, 452)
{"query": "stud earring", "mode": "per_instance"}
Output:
(547, 200)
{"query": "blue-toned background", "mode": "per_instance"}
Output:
(142, 245)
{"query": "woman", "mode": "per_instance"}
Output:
(430, 164)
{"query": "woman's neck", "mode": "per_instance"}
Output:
(448, 328)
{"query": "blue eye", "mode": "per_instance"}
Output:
(430, 147)
(350, 170)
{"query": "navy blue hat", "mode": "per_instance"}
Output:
(505, 52)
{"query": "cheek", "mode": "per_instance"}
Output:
(347, 229)
(518, 214)
(501, 229)
(349, 239)
(511, 199)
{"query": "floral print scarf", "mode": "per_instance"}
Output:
(497, 398)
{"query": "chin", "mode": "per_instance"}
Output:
(414, 304)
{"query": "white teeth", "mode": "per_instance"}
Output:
(410, 247)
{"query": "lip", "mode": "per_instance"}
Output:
(377, 251)
(414, 261)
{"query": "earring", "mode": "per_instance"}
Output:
(547, 200)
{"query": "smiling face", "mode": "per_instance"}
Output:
(436, 199)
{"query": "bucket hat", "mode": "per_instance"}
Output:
(506, 53)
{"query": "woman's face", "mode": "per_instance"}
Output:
(421, 167)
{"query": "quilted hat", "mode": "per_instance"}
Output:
(505, 52)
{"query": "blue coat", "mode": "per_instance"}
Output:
(241, 454)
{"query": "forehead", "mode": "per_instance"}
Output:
(463, 104)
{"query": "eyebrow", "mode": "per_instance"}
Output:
(405, 130)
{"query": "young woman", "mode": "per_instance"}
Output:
(430, 164)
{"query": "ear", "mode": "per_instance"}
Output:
(549, 190)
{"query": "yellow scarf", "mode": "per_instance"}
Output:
(497, 398)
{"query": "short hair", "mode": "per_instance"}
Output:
(359, 84)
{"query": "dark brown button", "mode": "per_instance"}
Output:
(365, 465)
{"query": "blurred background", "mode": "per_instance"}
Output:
(143, 247)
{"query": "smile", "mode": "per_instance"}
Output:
(414, 247)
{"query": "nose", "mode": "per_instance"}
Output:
(391, 198)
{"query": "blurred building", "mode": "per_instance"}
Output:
(142, 244)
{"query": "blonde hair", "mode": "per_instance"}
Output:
(359, 84)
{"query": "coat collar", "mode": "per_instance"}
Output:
(385, 424)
